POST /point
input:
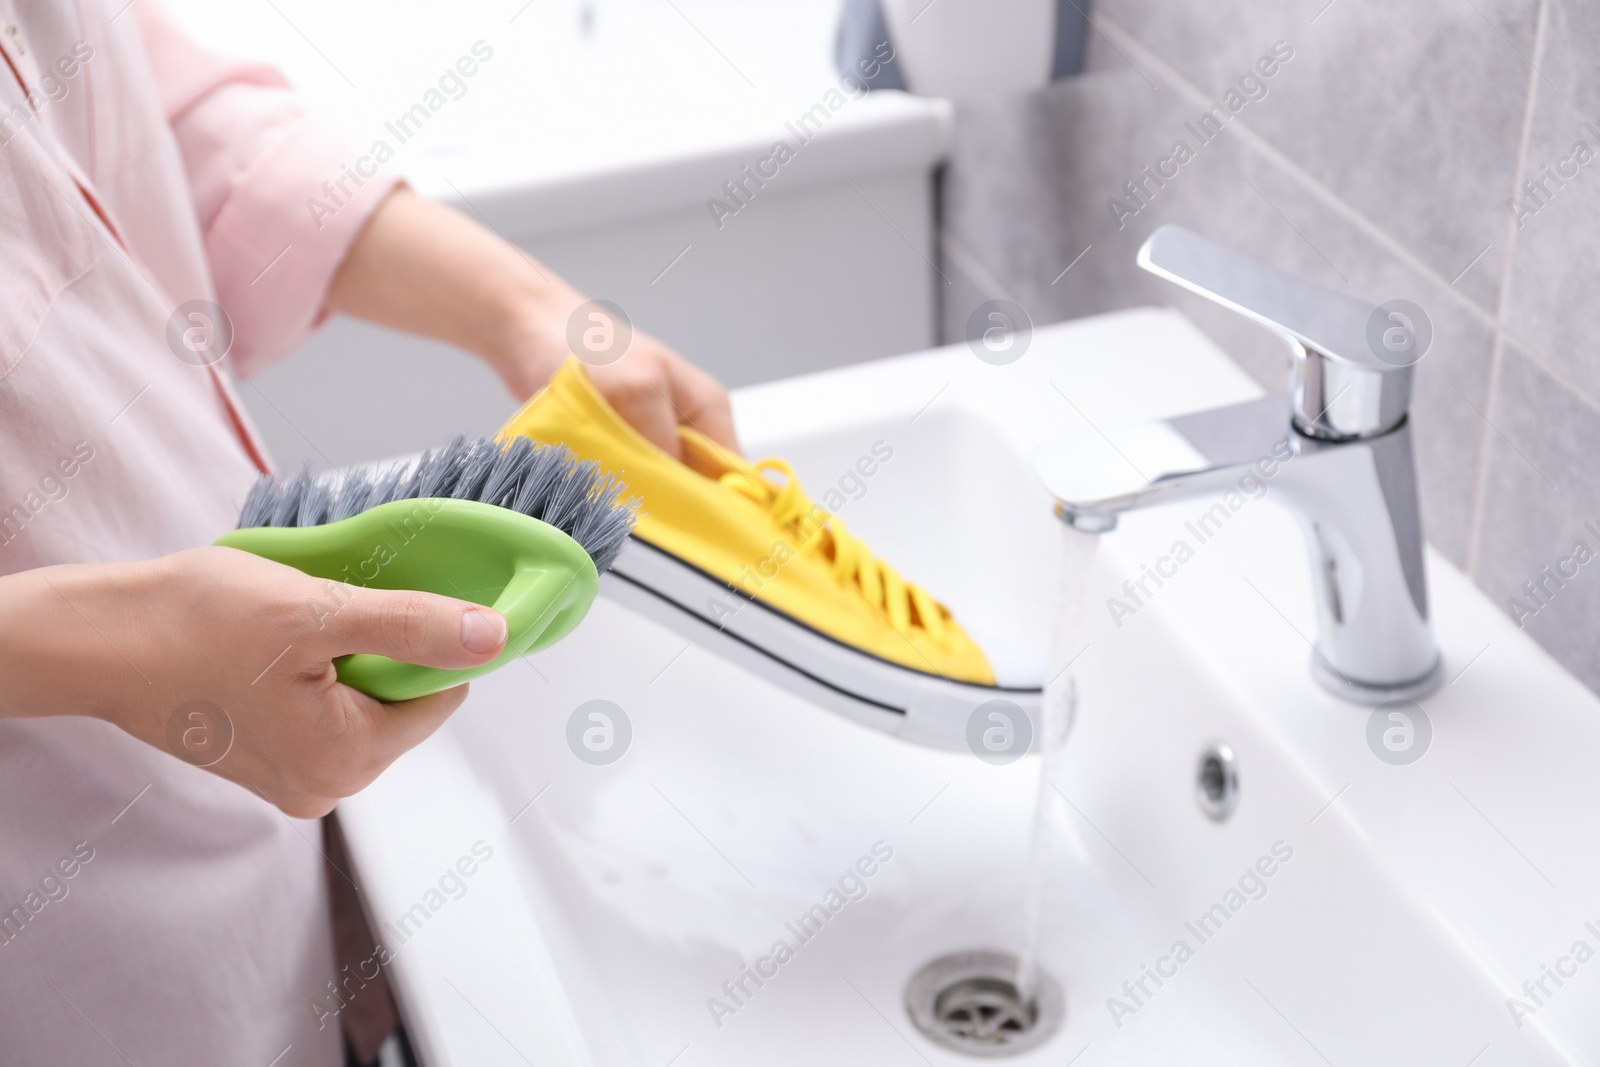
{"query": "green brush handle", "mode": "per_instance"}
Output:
(540, 579)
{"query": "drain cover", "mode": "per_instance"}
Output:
(968, 1001)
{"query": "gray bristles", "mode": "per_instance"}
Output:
(547, 482)
(287, 508)
(390, 485)
(258, 506)
(475, 468)
(314, 503)
(441, 469)
(506, 472)
(354, 492)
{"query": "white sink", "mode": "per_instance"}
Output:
(619, 898)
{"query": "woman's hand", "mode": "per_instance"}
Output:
(651, 386)
(225, 660)
(427, 269)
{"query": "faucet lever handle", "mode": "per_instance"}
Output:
(1343, 384)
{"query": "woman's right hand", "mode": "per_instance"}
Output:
(225, 660)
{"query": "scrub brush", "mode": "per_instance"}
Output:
(521, 527)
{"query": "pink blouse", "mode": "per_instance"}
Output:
(149, 911)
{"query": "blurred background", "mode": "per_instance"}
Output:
(595, 136)
(1405, 149)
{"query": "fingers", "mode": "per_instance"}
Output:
(373, 737)
(703, 403)
(642, 395)
(655, 390)
(397, 728)
(414, 627)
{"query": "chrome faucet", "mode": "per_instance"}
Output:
(1335, 450)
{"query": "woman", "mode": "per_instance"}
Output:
(152, 910)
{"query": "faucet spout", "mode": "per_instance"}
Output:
(1096, 477)
(1355, 501)
(1344, 469)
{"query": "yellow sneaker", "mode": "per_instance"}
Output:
(751, 530)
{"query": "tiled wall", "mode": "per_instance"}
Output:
(1381, 161)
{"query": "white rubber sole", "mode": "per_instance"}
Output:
(914, 705)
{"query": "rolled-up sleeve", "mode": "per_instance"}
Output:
(273, 189)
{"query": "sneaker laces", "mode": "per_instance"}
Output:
(820, 533)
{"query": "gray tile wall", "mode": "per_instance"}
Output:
(1381, 159)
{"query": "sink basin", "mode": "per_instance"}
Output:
(1362, 904)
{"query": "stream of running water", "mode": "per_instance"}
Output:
(1058, 706)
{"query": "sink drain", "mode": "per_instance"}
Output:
(968, 1002)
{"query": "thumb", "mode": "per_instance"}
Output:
(397, 728)
(415, 627)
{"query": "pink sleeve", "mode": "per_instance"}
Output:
(273, 189)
